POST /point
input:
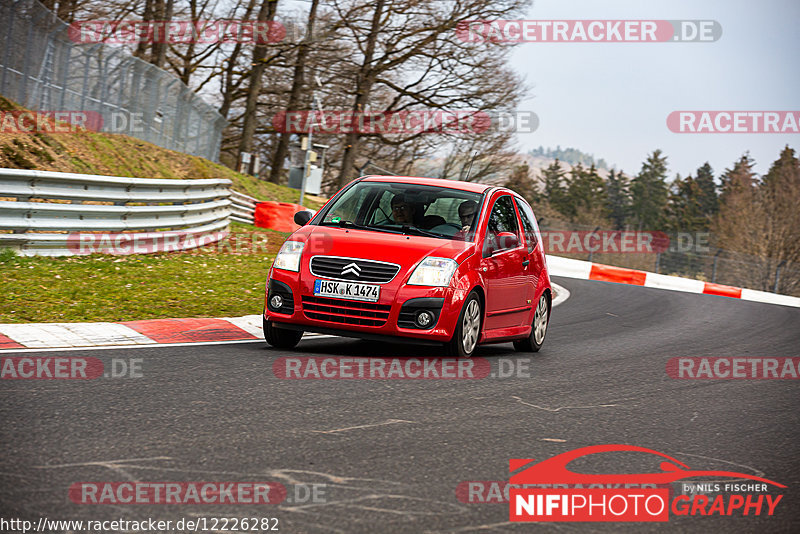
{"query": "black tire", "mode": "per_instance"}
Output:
(541, 317)
(458, 347)
(281, 338)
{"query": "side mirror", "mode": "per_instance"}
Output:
(499, 242)
(507, 240)
(302, 217)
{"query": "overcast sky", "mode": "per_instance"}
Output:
(612, 99)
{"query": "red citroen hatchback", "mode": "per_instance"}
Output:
(413, 259)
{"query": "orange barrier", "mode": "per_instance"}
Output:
(722, 291)
(607, 273)
(277, 215)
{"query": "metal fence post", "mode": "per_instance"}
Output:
(86, 76)
(714, 266)
(6, 65)
(65, 75)
(778, 275)
(23, 86)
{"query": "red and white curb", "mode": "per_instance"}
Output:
(131, 334)
(585, 270)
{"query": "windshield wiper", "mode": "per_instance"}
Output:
(419, 231)
(350, 224)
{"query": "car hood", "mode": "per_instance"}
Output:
(405, 250)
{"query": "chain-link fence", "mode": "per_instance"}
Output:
(42, 69)
(691, 255)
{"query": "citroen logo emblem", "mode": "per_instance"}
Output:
(351, 268)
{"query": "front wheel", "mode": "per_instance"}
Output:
(468, 328)
(534, 342)
(281, 338)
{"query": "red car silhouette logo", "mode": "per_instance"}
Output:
(554, 470)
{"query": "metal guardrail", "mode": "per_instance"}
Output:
(49, 208)
(243, 208)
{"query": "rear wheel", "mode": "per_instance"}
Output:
(534, 342)
(281, 338)
(468, 328)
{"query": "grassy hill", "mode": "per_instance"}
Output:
(119, 155)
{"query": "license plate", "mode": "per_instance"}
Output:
(347, 290)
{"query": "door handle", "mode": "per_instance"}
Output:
(525, 263)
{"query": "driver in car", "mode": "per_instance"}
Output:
(466, 212)
(402, 211)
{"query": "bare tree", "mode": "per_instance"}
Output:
(411, 49)
(163, 13)
(259, 63)
(298, 80)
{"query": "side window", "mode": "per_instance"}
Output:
(526, 214)
(502, 219)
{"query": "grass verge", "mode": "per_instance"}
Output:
(215, 281)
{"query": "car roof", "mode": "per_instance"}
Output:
(452, 184)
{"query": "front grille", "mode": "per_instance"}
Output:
(376, 272)
(346, 311)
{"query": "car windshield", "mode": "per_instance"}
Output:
(401, 208)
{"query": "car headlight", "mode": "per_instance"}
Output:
(433, 272)
(288, 257)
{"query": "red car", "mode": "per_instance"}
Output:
(413, 259)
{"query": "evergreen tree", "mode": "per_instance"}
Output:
(707, 190)
(740, 179)
(520, 181)
(649, 193)
(586, 194)
(555, 190)
(685, 212)
(761, 219)
(784, 172)
(617, 199)
(780, 193)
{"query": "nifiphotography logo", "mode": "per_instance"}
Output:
(583, 497)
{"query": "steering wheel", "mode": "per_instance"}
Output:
(448, 229)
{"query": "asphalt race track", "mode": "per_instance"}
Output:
(389, 454)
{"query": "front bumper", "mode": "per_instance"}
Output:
(393, 315)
